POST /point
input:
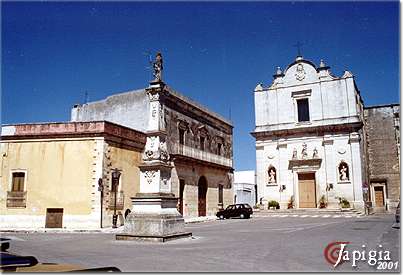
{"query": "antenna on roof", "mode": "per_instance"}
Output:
(230, 118)
(150, 62)
(86, 97)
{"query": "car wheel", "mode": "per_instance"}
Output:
(221, 217)
(242, 216)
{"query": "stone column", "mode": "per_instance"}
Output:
(154, 214)
(356, 171)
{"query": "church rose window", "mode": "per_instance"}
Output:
(303, 109)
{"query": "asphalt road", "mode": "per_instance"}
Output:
(260, 244)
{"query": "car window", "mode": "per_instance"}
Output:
(247, 206)
(239, 206)
(230, 207)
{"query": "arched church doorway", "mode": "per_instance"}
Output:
(202, 196)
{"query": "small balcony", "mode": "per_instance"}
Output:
(120, 198)
(16, 199)
(187, 151)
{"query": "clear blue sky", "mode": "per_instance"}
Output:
(215, 53)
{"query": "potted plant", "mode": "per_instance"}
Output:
(322, 202)
(274, 204)
(344, 203)
(291, 203)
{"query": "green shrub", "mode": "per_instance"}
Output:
(344, 203)
(274, 204)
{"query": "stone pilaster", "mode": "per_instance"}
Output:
(281, 174)
(356, 166)
(331, 177)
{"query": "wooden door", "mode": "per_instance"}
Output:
(181, 189)
(202, 196)
(54, 218)
(307, 191)
(379, 202)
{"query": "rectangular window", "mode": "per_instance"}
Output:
(303, 109)
(220, 193)
(219, 145)
(18, 181)
(202, 143)
(181, 136)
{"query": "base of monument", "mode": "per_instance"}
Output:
(161, 239)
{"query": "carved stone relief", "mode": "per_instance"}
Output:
(149, 175)
(300, 74)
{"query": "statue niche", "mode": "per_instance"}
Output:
(343, 171)
(272, 175)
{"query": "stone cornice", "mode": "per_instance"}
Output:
(319, 130)
(110, 131)
(304, 163)
(184, 105)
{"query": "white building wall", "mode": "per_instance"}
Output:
(332, 101)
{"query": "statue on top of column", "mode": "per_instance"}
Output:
(157, 65)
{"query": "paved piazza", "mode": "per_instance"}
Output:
(265, 244)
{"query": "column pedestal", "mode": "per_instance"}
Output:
(154, 218)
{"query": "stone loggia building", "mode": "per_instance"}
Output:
(196, 142)
(382, 135)
(309, 127)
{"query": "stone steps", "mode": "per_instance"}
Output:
(346, 211)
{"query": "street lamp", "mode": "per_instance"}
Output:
(115, 183)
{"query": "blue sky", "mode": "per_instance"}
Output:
(215, 53)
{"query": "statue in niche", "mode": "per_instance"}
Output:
(157, 66)
(315, 153)
(294, 153)
(343, 172)
(272, 175)
(304, 152)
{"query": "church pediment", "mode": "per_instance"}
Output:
(300, 71)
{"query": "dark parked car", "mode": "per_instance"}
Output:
(397, 215)
(242, 210)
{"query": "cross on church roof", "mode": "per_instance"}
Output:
(298, 45)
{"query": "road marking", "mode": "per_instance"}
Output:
(286, 215)
(304, 216)
(315, 216)
(325, 216)
(309, 227)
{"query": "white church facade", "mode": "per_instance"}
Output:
(309, 142)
